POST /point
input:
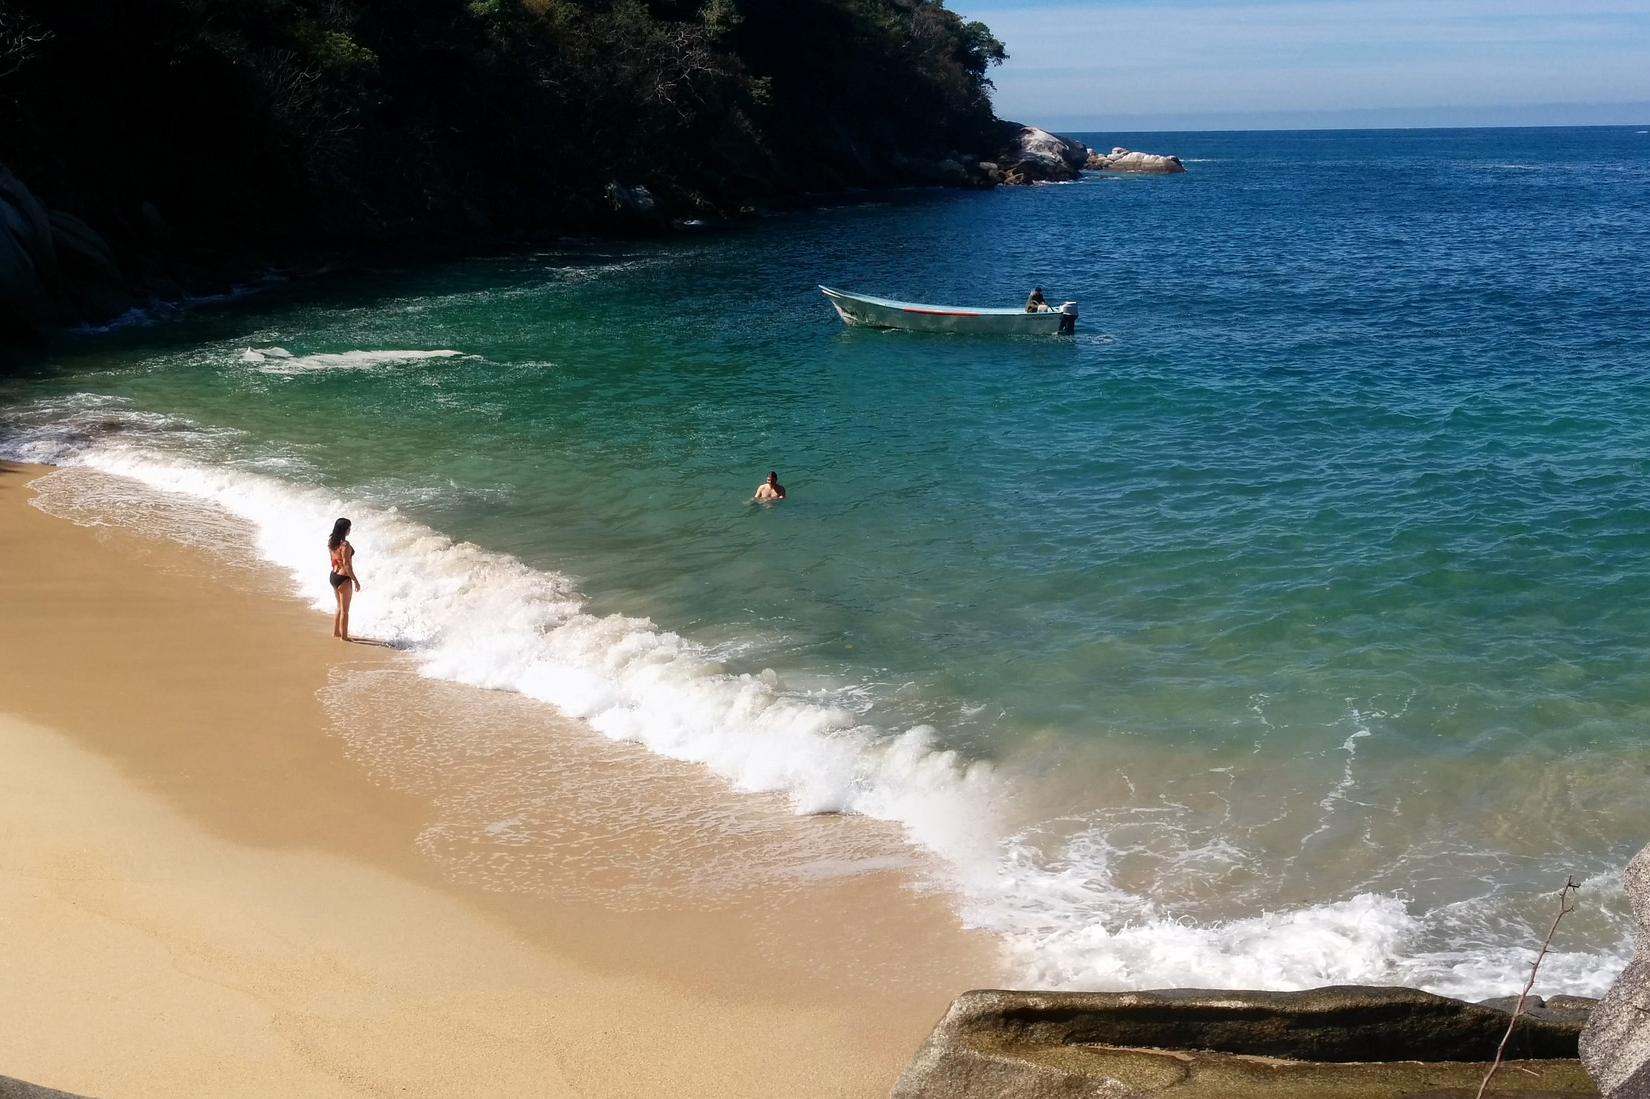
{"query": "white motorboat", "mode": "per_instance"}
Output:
(862, 309)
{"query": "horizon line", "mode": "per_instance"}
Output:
(1511, 116)
(1340, 129)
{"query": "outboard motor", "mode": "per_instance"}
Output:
(1068, 318)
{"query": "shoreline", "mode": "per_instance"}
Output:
(225, 887)
(208, 279)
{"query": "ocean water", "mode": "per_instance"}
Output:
(1285, 626)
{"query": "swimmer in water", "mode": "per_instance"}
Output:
(770, 489)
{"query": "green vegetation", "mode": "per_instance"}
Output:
(280, 126)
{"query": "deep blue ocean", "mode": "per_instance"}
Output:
(1285, 626)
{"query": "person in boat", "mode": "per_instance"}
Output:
(770, 489)
(342, 576)
(1037, 303)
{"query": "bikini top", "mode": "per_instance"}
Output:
(339, 556)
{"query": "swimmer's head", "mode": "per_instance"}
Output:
(773, 476)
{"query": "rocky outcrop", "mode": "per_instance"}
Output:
(634, 209)
(1032, 155)
(1126, 160)
(1554, 1009)
(954, 169)
(93, 286)
(18, 1089)
(54, 268)
(1615, 1047)
(1328, 1043)
(28, 261)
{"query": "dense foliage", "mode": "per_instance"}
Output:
(304, 122)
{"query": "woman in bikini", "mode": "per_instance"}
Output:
(342, 577)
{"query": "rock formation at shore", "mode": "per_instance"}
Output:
(1127, 160)
(1033, 155)
(1328, 1043)
(1615, 1047)
(289, 133)
(53, 267)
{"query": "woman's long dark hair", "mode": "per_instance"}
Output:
(340, 531)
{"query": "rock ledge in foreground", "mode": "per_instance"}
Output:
(17, 1089)
(1348, 1042)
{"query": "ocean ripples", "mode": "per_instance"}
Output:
(1278, 628)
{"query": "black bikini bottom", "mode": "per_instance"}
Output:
(337, 579)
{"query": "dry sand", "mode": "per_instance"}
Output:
(210, 887)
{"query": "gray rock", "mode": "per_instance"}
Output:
(53, 267)
(632, 200)
(1126, 160)
(1510, 1003)
(635, 209)
(1328, 1043)
(93, 286)
(28, 262)
(17, 1089)
(1568, 1009)
(1615, 1047)
(1033, 155)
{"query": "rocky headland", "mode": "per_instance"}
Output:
(149, 156)
(150, 152)
(57, 269)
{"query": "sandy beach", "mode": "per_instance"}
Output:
(220, 876)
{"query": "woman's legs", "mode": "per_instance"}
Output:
(345, 591)
(338, 615)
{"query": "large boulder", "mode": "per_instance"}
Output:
(54, 268)
(93, 288)
(634, 209)
(1328, 1043)
(1615, 1047)
(1033, 155)
(1127, 160)
(28, 262)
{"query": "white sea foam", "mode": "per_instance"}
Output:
(473, 616)
(278, 360)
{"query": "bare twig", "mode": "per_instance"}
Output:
(20, 39)
(1566, 905)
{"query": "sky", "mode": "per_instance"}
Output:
(1263, 64)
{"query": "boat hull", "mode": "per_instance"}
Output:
(870, 312)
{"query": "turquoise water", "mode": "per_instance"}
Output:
(1284, 625)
